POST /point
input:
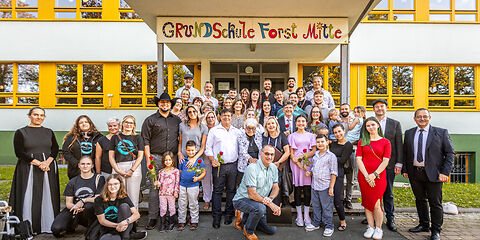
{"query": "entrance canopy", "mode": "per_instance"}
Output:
(335, 20)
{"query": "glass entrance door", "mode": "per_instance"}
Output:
(223, 82)
(249, 82)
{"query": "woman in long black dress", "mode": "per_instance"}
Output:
(35, 193)
(80, 141)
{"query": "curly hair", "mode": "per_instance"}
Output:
(77, 132)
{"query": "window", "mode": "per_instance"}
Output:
(460, 171)
(79, 85)
(28, 84)
(443, 96)
(71, 9)
(394, 83)
(126, 11)
(6, 83)
(331, 78)
(393, 10)
(453, 10)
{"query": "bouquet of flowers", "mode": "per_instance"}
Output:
(197, 169)
(315, 127)
(287, 126)
(221, 161)
(305, 159)
(152, 171)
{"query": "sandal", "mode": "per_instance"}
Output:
(342, 227)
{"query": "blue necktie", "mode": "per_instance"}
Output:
(420, 146)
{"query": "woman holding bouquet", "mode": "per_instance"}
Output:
(302, 148)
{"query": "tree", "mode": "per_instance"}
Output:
(376, 79)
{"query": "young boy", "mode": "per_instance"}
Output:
(324, 170)
(189, 187)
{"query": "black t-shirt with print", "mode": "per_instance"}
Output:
(80, 188)
(134, 143)
(110, 209)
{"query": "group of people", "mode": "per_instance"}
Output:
(258, 147)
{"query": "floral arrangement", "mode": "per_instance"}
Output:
(152, 171)
(221, 161)
(197, 169)
(305, 159)
(315, 127)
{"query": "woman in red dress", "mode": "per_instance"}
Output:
(373, 154)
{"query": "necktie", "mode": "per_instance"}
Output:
(420, 146)
(289, 124)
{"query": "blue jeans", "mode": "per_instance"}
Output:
(322, 204)
(254, 212)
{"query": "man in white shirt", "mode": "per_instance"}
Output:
(188, 80)
(207, 96)
(290, 88)
(317, 86)
(222, 143)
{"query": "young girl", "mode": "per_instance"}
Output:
(301, 143)
(324, 171)
(167, 183)
(355, 124)
(333, 118)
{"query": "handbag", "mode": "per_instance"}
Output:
(278, 155)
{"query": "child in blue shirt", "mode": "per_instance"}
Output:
(333, 119)
(189, 187)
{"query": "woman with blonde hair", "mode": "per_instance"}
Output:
(114, 210)
(245, 95)
(126, 154)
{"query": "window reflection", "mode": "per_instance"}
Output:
(378, 17)
(402, 80)
(376, 79)
(403, 4)
(27, 3)
(440, 5)
(440, 17)
(65, 15)
(6, 3)
(6, 100)
(5, 14)
(438, 80)
(28, 78)
(131, 79)
(28, 100)
(465, 5)
(334, 79)
(92, 78)
(152, 78)
(308, 73)
(382, 5)
(91, 3)
(465, 17)
(129, 15)
(6, 77)
(27, 15)
(403, 17)
(65, 3)
(91, 15)
(124, 4)
(464, 81)
(67, 78)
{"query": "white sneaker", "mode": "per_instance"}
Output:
(369, 233)
(309, 227)
(328, 232)
(299, 222)
(378, 234)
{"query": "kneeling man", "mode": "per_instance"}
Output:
(258, 188)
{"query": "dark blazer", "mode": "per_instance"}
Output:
(439, 153)
(393, 132)
(281, 122)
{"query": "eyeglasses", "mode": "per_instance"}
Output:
(190, 112)
(269, 154)
(250, 128)
(420, 117)
(130, 123)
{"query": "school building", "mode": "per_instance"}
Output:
(100, 58)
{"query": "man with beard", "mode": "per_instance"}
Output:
(160, 133)
(290, 87)
(208, 89)
(278, 102)
(318, 101)
(267, 94)
(293, 98)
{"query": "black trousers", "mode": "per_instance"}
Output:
(424, 191)
(225, 180)
(307, 195)
(388, 195)
(338, 194)
(65, 220)
(123, 213)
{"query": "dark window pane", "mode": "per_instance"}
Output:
(131, 79)
(93, 78)
(334, 79)
(464, 81)
(28, 100)
(65, 15)
(249, 68)
(5, 14)
(129, 15)
(465, 103)
(67, 101)
(150, 101)
(275, 68)
(376, 79)
(308, 73)
(6, 3)
(370, 102)
(439, 103)
(67, 78)
(6, 77)
(402, 80)
(28, 78)
(65, 3)
(27, 3)
(223, 68)
(97, 101)
(131, 101)
(378, 17)
(399, 103)
(6, 100)
(32, 15)
(91, 3)
(438, 80)
(152, 78)
(91, 15)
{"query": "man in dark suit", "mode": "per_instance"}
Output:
(429, 157)
(392, 130)
(287, 121)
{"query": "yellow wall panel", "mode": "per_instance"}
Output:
(47, 84)
(420, 86)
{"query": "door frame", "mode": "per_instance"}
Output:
(213, 77)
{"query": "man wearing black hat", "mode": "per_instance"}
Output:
(160, 133)
(188, 79)
(392, 130)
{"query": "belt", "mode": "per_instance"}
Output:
(419, 168)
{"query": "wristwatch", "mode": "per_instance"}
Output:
(128, 220)
(376, 175)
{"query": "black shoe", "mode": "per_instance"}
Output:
(391, 226)
(170, 223)
(435, 235)
(228, 220)
(419, 228)
(364, 221)
(138, 235)
(162, 224)
(348, 205)
(216, 223)
(151, 224)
